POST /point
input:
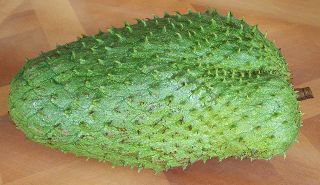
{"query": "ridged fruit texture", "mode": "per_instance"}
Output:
(161, 93)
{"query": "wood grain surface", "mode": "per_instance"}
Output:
(28, 27)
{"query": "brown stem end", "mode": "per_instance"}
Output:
(304, 93)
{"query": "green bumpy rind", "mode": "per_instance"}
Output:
(161, 93)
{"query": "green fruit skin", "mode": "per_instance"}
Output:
(161, 93)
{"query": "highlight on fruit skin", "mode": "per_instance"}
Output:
(161, 93)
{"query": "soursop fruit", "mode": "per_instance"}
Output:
(162, 93)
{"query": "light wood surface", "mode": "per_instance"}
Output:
(28, 27)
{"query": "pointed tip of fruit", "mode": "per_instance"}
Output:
(284, 155)
(229, 15)
(166, 14)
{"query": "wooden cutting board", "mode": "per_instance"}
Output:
(28, 27)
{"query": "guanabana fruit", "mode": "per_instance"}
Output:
(162, 93)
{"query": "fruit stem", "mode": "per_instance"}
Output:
(304, 93)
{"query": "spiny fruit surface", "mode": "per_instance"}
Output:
(161, 93)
